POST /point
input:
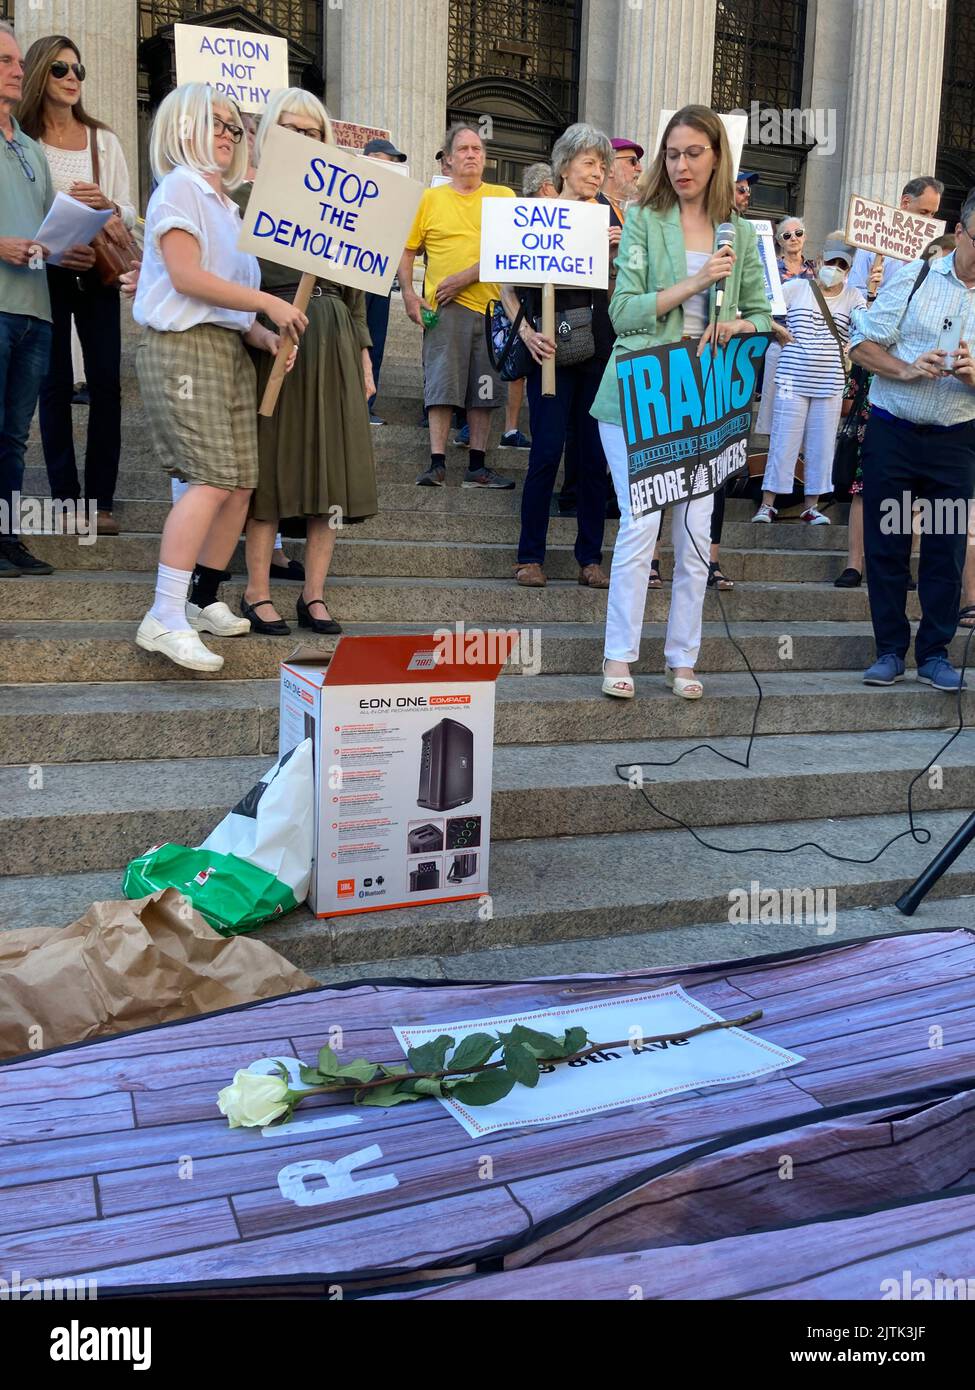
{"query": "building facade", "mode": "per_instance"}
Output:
(842, 96)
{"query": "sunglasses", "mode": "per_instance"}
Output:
(220, 127)
(787, 236)
(60, 69)
(17, 151)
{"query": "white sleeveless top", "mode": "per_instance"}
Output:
(68, 166)
(696, 308)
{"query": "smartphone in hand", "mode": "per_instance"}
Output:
(949, 338)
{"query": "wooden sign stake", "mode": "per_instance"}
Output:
(548, 329)
(273, 388)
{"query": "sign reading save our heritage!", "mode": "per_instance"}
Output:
(534, 241)
(889, 231)
(686, 418)
(246, 67)
(326, 211)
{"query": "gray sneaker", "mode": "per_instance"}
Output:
(486, 477)
(433, 477)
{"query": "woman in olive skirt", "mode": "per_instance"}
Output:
(316, 465)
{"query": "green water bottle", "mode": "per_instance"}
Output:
(429, 317)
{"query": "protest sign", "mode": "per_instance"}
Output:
(735, 124)
(328, 212)
(629, 1075)
(536, 241)
(686, 418)
(349, 135)
(765, 239)
(246, 67)
(889, 231)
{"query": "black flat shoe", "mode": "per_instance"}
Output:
(849, 579)
(292, 571)
(279, 628)
(328, 627)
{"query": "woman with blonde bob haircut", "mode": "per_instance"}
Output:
(667, 274)
(316, 468)
(197, 299)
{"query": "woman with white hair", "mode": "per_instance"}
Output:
(581, 159)
(197, 299)
(316, 469)
(790, 235)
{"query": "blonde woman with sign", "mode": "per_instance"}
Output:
(316, 464)
(197, 299)
(667, 274)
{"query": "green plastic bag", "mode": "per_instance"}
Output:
(231, 893)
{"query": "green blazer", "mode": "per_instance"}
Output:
(651, 257)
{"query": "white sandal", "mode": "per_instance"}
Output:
(688, 687)
(621, 687)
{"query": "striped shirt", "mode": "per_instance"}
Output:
(812, 365)
(908, 330)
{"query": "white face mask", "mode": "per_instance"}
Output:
(830, 275)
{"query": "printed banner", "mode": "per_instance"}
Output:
(888, 230)
(765, 238)
(686, 418)
(537, 241)
(247, 67)
(329, 212)
(631, 1074)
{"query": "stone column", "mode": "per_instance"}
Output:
(105, 33)
(664, 60)
(394, 73)
(825, 91)
(895, 97)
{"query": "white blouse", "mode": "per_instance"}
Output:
(184, 200)
(75, 166)
(67, 166)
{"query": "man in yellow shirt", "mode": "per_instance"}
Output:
(457, 371)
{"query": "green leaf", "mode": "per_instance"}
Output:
(428, 1086)
(429, 1056)
(282, 1071)
(521, 1064)
(328, 1063)
(310, 1076)
(398, 1069)
(473, 1051)
(574, 1041)
(384, 1095)
(359, 1070)
(485, 1087)
(541, 1044)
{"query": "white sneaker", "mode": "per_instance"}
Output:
(218, 619)
(184, 648)
(812, 516)
(765, 513)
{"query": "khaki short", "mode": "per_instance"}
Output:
(456, 368)
(200, 392)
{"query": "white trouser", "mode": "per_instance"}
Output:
(179, 487)
(808, 423)
(630, 574)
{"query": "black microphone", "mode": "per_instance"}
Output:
(724, 236)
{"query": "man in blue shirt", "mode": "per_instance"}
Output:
(919, 444)
(25, 308)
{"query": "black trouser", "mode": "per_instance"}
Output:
(937, 465)
(717, 514)
(377, 321)
(95, 309)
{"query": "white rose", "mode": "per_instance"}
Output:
(253, 1100)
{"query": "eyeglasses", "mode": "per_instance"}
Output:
(59, 69)
(314, 134)
(967, 233)
(787, 236)
(236, 132)
(692, 152)
(17, 151)
(628, 158)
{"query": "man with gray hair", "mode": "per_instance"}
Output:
(919, 444)
(457, 371)
(922, 197)
(537, 182)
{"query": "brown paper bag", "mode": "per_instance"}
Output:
(126, 965)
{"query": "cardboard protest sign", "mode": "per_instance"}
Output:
(889, 231)
(735, 124)
(686, 420)
(535, 241)
(627, 1075)
(352, 136)
(765, 239)
(328, 212)
(247, 67)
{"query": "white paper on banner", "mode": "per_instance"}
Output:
(246, 67)
(330, 212)
(765, 238)
(620, 1076)
(537, 241)
(69, 223)
(736, 128)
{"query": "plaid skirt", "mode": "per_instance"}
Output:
(200, 393)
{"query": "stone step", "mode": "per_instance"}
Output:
(106, 651)
(110, 595)
(564, 890)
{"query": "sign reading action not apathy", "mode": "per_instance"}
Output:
(329, 212)
(888, 230)
(247, 67)
(686, 419)
(629, 1075)
(537, 241)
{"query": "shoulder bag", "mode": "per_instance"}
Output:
(116, 250)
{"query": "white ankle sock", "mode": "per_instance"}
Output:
(169, 608)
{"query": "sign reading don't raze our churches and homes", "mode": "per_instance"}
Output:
(325, 211)
(686, 418)
(245, 67)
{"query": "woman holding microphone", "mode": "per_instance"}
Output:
(667, 274)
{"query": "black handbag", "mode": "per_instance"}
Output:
(507, 353)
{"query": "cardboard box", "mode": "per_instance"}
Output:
(403, 769)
